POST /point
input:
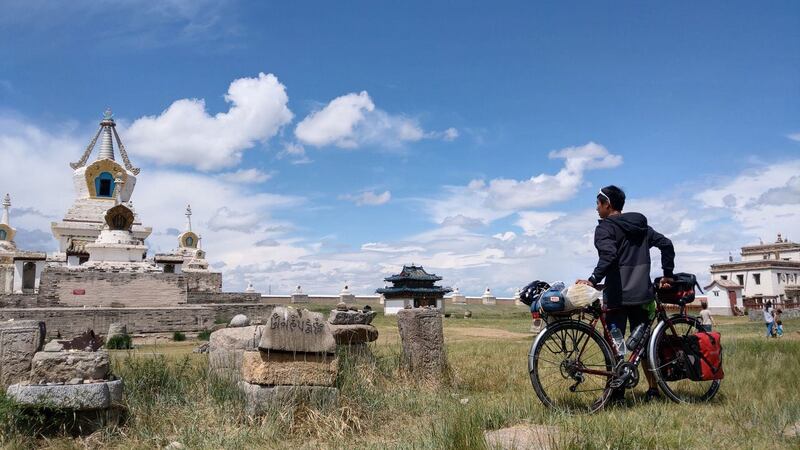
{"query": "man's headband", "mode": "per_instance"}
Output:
(604, 195)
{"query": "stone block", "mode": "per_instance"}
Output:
(292, 369)
(116, 329)
(294, 330)
(60, 367)
(422, 341)
(53, 346)
(239, 320)
(354, 334)
(226, 346)
(19, 341)
(262, 399)
(339, 317)
(79, 397)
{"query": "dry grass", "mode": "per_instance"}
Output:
(172, 398)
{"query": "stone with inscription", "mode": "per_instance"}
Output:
(19, 341)
(354, 334)
(289, 368)
(297, 330)
(60, 367)
(422, 340)
(260, 399)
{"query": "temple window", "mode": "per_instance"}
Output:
(104, 185)
(724, 277)
(740, 279)
(757, 278)
(169, 268)
(3, 235)
(189, 241)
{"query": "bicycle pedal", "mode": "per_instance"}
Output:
(616, 384)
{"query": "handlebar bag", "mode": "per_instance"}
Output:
(681, 290)
(704, 356)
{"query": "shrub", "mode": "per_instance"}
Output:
(204, 335)
(120, 342)
(178, 336)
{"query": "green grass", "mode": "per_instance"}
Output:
(172, 397)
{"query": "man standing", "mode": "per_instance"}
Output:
(623, 242)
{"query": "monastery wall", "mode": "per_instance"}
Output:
(18, 300)
(194, 298)
(203, 281)
(73, 321)
(65, 287)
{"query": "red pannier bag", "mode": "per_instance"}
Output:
(704, 356)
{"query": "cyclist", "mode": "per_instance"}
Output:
(623, 242)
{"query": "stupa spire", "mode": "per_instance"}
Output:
(109, 132)
(6, 206)
(107, 145)
(188, 217)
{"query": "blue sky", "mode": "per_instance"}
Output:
(407, 108)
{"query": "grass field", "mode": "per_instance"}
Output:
(172, 398)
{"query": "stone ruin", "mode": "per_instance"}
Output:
(422, 339)
(66, 375)
(289, 360)
(352, 327)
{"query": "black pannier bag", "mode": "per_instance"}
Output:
(672, 359)
(532, 292)
(681, 290)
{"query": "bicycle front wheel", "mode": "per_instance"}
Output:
(570, 367)
(668, 365)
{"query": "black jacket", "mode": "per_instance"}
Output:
(623, 244)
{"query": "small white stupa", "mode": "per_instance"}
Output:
(518, 297)
(250, 288)
(7, 232)
(298, 296)
(346, 296)
(487, 298)
(458, 298)
(117, 245)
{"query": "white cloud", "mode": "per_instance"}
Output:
(369, 198)
(295, 152)
(794, 137)
(501, 197)
(246, 176)
(352, 120)
(536, 223)
(186, 134)
(507, 236)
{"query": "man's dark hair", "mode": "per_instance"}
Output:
(614, 195)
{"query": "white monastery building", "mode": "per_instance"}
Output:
(765, 272)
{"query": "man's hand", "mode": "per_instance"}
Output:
(665, 283)
(586, 282)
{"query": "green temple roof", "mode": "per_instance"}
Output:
(413, 272)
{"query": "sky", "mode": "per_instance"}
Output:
(323, 144)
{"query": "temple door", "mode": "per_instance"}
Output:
(28, 277)
(732, 298)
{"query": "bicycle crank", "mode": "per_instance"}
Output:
(626, 375)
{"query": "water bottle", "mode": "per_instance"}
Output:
(619, 341)
(636, 337)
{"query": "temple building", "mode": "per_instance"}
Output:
(102, 251)
(98, 186)
(412, 288)
(20, 270)
(765, 272)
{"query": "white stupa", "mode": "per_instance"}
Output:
(487, 298)
(96, 191)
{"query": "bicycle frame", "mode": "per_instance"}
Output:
(635, 357)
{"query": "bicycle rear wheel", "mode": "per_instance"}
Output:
(558, 361)
(668, 366)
